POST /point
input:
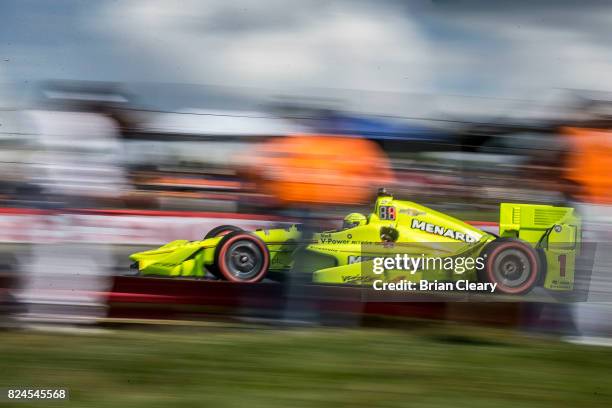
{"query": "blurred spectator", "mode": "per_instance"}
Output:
(77, 165)
(306, 174)
(78, 158)
(588, 164)
(589, 161)
(319, 170)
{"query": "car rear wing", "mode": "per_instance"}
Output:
(536, 224)
(556, 231)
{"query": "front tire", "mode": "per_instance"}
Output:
(513, 264)
(221, 230)
(242, 257)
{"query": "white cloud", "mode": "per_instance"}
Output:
(513, 53)
(315, 44)
(532, 57)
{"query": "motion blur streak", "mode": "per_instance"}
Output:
(318, 169)
(127, 125)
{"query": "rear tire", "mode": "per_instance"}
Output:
(513, 264)
(242, 257)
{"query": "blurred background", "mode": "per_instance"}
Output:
(125, 125)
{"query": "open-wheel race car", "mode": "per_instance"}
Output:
(536, 246)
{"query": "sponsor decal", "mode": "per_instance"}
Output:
(334, 241)
(442, 231)
(356, 279)
(358, 258)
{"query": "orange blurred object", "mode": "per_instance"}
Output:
(589, 163)
(320, 169)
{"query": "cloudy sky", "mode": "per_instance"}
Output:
(509, 50)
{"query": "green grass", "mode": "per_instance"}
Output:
(258, 367)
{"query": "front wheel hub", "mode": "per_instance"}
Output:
(244, 259)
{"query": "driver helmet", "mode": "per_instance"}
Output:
(354, 220)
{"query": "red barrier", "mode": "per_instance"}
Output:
(167, 298)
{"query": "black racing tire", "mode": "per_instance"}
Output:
(215, 232)
(221, 230)
(511, 263)
(242, 257)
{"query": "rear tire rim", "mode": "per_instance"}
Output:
(512, 268)
(244, 259)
